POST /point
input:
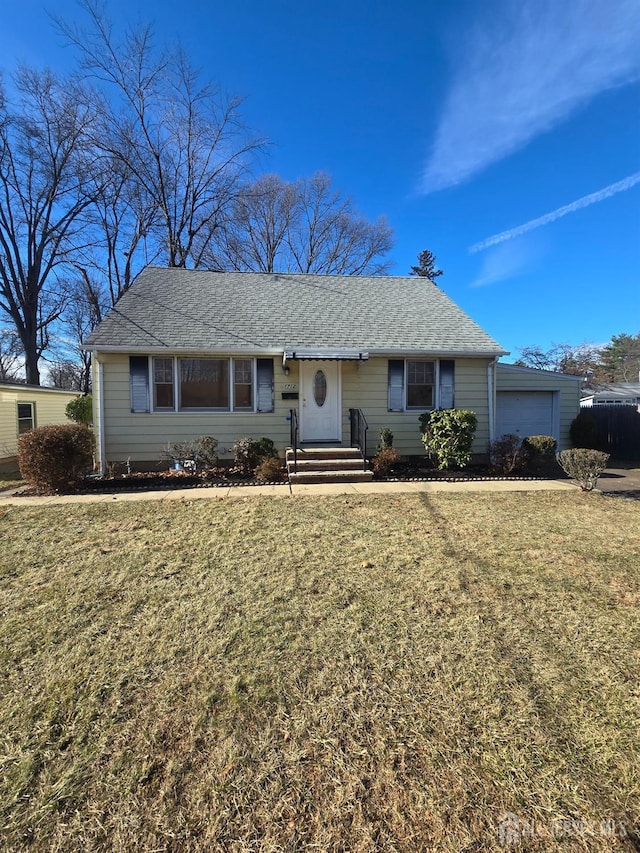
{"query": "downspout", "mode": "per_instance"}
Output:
(101, 442)
(491, 397)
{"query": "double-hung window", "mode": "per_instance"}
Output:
(26, 417)
(420, 384)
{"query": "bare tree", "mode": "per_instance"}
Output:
(10, 356)
(46, 186)
(180, 144)
(305, 226)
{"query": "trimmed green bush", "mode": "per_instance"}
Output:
(539, 451)
(80, 410)
(584, 430)
(583, 465)
(447, 435)
(386, 438)
(55, 458)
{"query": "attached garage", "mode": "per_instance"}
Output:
(525, 413)
(535, 402)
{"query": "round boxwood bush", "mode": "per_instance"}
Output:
(55, 458)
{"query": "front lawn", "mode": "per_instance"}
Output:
(379, 673)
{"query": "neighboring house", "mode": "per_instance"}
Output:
(536, 402)
(23, 407)
(614, 394)
(186, 353)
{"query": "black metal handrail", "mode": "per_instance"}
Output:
(359, 427)
(295, 437)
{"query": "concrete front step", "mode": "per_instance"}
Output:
(330, 476)
(325, 453)
(327, 465)
(305, 464)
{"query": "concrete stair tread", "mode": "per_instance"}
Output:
(331, 477)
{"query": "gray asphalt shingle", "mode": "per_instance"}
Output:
(180, 309)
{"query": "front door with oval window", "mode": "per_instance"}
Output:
(320, 403)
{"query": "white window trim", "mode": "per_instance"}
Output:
(177, 410)
(33, 414)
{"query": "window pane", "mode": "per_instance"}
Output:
(243, 383)
(163, 383)
(204, 383)
(420, 376)
(25, 417)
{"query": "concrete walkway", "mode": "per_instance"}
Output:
(285, 491)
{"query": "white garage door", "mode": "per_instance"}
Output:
(524, 413)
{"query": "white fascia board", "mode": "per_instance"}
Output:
(171, 351)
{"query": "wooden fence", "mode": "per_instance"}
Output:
(618, 430)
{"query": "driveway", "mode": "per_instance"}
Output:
(621, 477)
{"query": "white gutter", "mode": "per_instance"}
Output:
(491, 373)
(101, 441)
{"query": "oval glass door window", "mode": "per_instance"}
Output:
(319, 388)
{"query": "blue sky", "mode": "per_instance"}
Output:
(504, 136)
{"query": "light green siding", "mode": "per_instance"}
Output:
(141, 437)
(49, 405)
(364, 386)
(566, 390)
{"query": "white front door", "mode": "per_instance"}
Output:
(320, 401)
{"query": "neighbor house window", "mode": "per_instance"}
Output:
(26, 417)
(420, 384)
(163, 396)
(204, 383)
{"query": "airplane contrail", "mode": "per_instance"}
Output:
(585, 201)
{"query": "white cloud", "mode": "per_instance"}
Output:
(521, 72)
(505, 262)
(585, 201)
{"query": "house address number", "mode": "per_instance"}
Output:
(289, 386)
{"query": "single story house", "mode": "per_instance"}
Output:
(186, 353)
(23, 407)
(614, 394)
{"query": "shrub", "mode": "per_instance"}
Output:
(540, 451)
(447, 435)
(200, 453)
(56, 457)
(584, 465)
(385, 460)
(386, 438)
(506, 454)
(270, 470)
(80, 410)
(248, 453)
(584, 430)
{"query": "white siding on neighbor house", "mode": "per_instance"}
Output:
(141, 437)
(564, 391)
(49, 408)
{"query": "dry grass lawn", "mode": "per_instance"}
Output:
(362, 674)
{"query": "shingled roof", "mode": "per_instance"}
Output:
(195, 310)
